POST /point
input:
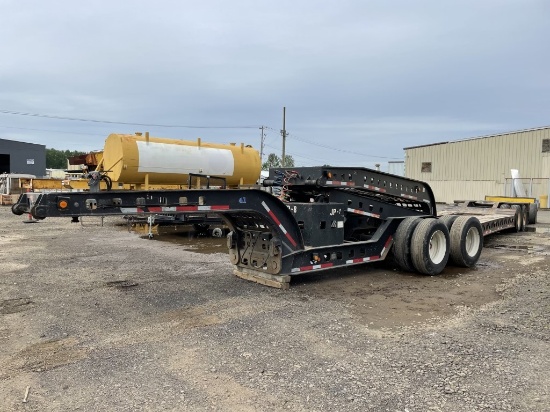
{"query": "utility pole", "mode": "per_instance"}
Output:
(262, 140)
(283, 133)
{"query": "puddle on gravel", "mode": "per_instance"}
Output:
(530, 249)
(199, 242)
(513, 247)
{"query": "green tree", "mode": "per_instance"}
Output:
(275, 161)
(57, 159)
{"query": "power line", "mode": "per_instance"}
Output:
(124, 123)
(52, 131)
(338, 149)
(296, 155)
(334, 148)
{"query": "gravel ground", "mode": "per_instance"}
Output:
(97, 318)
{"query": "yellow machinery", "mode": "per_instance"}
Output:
(508, 199)
(142, 160)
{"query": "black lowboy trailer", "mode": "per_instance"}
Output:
(316, 218)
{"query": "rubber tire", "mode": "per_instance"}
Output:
(15, 210)
(465, 230)
(402, 243)
(524, 217)
(533, 209)
(518, 218)
(448, 220)
(217, 232)
(423, 241)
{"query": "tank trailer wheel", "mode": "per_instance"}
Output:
(518, 218)
(217, 232)
(15, 210)
(430, 247)
(532, 213)
(466, 241)
(448, 220)
(402, 243)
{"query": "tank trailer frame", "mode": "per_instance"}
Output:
(316, 218)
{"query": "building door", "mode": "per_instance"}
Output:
(5, 163)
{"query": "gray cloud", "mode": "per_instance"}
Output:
(367, 76)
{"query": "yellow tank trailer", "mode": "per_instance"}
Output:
(143, 160)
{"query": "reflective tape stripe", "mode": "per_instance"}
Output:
(361, 260)
(168, 209)
(376, 189)
(361, 212)
(385, 249)
(340, 183)
(312, 267)
(278, 223)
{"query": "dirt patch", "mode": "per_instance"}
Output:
(190, 318)
(51, 354)
(15, 305)
(45, 356)
(384, 298)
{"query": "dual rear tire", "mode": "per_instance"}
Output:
(466, 241)
(519, 219)
(532, 212)
(430, 246)
(402, 243)
(427, 245)
(525, 215)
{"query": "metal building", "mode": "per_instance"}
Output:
(472, 168)
(20, 157)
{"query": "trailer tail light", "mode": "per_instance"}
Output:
(62, 203)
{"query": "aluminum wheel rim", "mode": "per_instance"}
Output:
(438, 247)
(472, 241)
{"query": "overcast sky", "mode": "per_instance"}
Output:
(360, 79)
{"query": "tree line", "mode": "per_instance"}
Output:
(57, 159)
(275, 161)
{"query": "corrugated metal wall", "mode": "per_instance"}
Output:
(470, 169)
